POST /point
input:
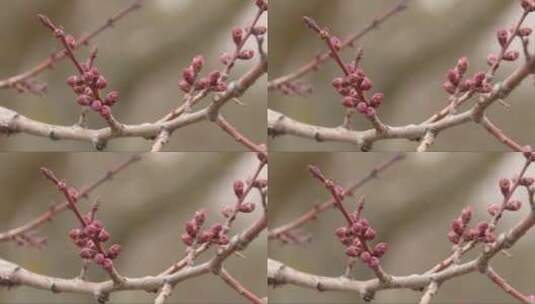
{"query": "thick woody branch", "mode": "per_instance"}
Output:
(280, 274)
(279, 124)
(13, 275)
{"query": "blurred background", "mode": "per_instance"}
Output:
(142, 57)
(407, 59)
(411, 205)
(144, 208)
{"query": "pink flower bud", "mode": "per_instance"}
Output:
(505, 186)
(526, 181)
(107, 264)
(492, 59)
(357, 228)
(528, 5)
(216, 229)
(74, 234)
(101, 83)
(454, 237)
(336, 43)
(83, 100)
(225, 58)
(493, 209)
(449, 87)
(337, 82)
(470, 234)
(513, 205)
(489, 238)
(114, 251)
(189, 75)
(247, 207)
(200, 216)
(341, 232)
(237, 35)
(87, 253)
(482, 227)
(366, 84)
(80, 242)
(370, 113)
(99, 258)
(454, 77)
(462, 65)
(197, 63)
(92, 230)
(377, 100)
(105, 112)
(205, 236)
(238, 188)
(348, 102)
(479, 78)
(466, 215)
(502, 36)
(511, 55)
(380, 250)
(96, 105)
(457, 226)
(227, 211)
(246, 54)
(352, 252)
(223, 240)
(369, 234)
(362, 107)
(262, 5)
(202, 84)
(74, 81)
(71, 42)
(111, 98)
(184, 86)
(191, 228)
(373, 262)
(103, 235)
(187, 239)
(365, 256)
(524, 32)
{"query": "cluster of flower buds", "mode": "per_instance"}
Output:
(357, 234)
(216, 234)
(460, 232)
(455, 84)
(506, 188)
(88, 84)
(356, 237)
(504, 37)
(354, 87)
(239, 191)
(92, 234)
(89, 239)
(238, 37)
(190, 81)
(87, 88)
